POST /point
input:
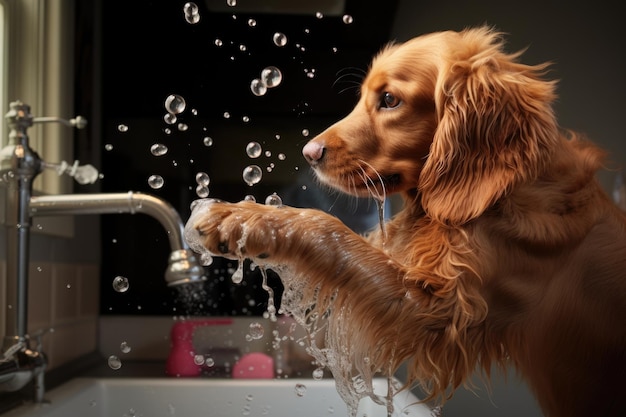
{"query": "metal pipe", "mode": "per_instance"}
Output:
(183, 265)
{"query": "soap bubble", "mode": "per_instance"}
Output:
(218, 42)
(122, 128)
(280, 39)
(271, 76)
(319, 15)
(347, 19)
(120, 284)
(231, 3)
(175, 104)
(190, 8)
(253, 149)
(273, 200)
(208, 141)
(251, 23)
(202, 191)
(170, 118)
(114, 362)
(198, 360)
(249, 197)
(125, 347)
(300, 390)
(252, 174)
(183, 127)
(257, 87)
(158, 149)
(191, 13)
(156, 181)
(256, 330)
(318, 373)
(305, 132)
(202, 178)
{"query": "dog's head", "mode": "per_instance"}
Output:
(449, 118)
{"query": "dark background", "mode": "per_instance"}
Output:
(137, 53)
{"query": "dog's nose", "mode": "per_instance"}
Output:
(313, 152)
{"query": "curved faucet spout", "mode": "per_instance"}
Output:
(183, 265)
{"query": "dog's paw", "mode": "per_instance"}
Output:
(235, 230)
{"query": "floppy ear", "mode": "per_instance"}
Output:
(496, 129)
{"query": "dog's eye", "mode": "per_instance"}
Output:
(389, 101)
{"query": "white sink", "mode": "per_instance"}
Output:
(182, 397)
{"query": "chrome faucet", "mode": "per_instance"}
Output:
(19, 165)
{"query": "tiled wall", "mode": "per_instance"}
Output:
(63, 297)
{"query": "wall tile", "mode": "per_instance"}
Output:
(65, 293)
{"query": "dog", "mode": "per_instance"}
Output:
(506, 252)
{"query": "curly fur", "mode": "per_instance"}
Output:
(507, 250)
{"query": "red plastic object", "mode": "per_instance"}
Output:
(254, 365)
(180, 361)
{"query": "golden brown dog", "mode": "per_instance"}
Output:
(507, 250)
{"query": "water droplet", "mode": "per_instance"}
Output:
(192, 19)
(125, 347)
(252, 174)
(158, 149)
(256, 330)
(231, 3)
(122, 128)
(249, 198)
(237, 276)
(305, 132)
(208, 141)
(273, 200)
(156, 181)
(114, 362)
(253, 149)
(170, 118)
(191, 13)
(198, 359)
(280, 39)
(347, 19)
(202, 191)
(206, 259)
(190, 8)
(300, 390)
(202, 178)
(175, 104)
(120, 284)
(318, 373)
(271, 76)
(257, 87)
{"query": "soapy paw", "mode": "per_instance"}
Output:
(238, 230)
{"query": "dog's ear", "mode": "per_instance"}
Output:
(496, 129)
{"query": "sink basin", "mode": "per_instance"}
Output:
(186, 397)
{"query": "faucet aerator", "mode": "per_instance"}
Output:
(183, 268)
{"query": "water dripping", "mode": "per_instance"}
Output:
(271, 307)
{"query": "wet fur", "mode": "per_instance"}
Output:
(507, 250)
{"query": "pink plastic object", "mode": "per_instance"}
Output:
(180, 361)
(254, 365)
